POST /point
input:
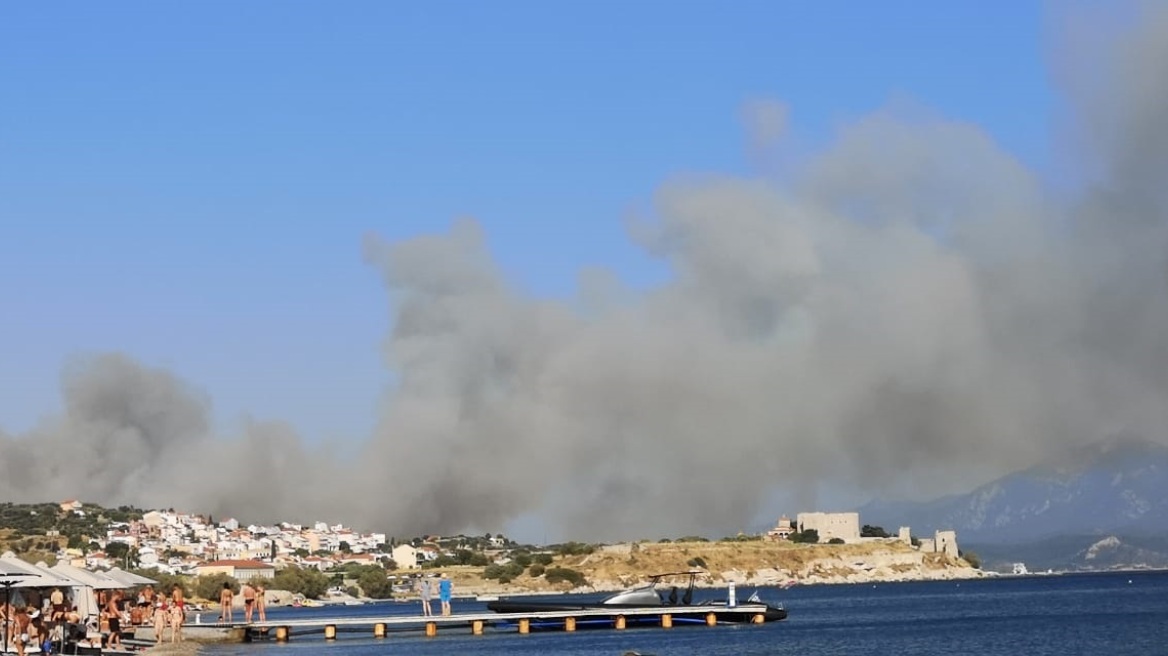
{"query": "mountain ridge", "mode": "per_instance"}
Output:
(1116, 486)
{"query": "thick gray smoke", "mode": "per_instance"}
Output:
(912, 310)
(134, 435)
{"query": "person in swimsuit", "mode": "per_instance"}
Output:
(113, 615)
(57, 600)
(226, 597)
(161, 615)
(249, 596)
(178, 615)
(20, 623)
(261, 602)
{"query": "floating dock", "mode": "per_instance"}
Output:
(564, 620)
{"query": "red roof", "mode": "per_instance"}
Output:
(239, 564)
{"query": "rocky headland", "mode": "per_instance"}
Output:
(752, 563)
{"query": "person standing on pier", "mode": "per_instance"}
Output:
(249, 595)
(226, 598)
(261, 602)
(444, 589)
(424, 592)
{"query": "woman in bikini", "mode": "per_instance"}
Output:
(261, 603)
(161, 616)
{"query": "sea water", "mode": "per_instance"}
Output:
(1112, 614)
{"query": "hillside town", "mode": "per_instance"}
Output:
(189, 544)
(192, 544)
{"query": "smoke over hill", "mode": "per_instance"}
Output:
(912, 305)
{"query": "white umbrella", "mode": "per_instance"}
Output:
(129, 578)
(84, 597)
(95, 580)
(30, 576)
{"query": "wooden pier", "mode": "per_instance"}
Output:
(565, 620)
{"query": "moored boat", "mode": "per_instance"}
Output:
(653, 596)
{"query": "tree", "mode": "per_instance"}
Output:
(869, 531)
(209, 585)
(836, 541)
(306, 581)
(810, 536)
(345, 547)
(375, 584)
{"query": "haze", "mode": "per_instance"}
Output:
(662, 340)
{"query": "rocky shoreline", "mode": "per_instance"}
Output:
(615, 567)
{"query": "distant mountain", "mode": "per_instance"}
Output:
(1076, 553)
(1115, 487)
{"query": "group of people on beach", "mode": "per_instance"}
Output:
(29, 628)
(254, 602)
(39, 622)
(162, 611)
(426, 594)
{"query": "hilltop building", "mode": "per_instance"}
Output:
(240, 570)
(782, 530)
(845, 526)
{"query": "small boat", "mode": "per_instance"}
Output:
(652, 595)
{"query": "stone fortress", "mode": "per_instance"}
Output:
(846, 526)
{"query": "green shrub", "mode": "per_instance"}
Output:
(810, 536)
(509, 571)
(308, 582)
(563, 574)
(375, 584)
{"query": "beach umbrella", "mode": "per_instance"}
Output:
(30, 576)
(95, 580)
(129, 578)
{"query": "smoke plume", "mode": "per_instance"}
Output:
(913, 306)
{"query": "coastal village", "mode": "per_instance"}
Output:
(198, 564)
(841, 550)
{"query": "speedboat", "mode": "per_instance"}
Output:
(653, 595)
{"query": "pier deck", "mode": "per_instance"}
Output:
(566, 620)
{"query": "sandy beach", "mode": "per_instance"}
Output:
(174, 649)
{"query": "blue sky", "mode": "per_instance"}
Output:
(189, 183)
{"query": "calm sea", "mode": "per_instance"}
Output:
(1111, 614)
